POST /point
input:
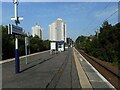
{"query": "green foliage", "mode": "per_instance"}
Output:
(8, 44)
(69, 41)
(104, 45)
(36, 44)
(47, 44)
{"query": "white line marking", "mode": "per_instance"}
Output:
(81, 59)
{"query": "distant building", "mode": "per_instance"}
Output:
(37, 30)
(57, 30)
(57, 34)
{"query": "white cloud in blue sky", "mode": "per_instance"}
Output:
(80, 17)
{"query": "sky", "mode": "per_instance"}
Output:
(82, 18)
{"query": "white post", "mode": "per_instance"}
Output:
(26, 50)
(16, 43)
(26, 55)
(16, 10)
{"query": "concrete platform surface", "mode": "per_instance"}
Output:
(95, 78)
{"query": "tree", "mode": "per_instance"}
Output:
(47, 44)
(105, 44)
(36, 44)
(8, 44)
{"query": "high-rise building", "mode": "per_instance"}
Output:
(57, 34)
(37, 30)
(57, 30)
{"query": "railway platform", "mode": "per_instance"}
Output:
(68, 69)
(95, 79)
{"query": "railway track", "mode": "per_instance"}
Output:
(112, 76)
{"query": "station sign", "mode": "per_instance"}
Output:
(12, 29)
(60, 42)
